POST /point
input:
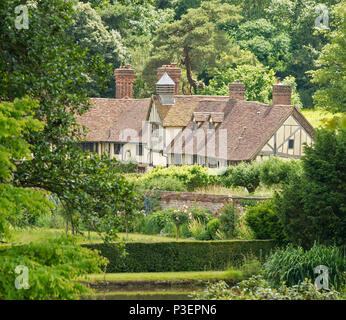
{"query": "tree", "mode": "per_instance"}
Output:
(312, 206)
(196, 41)
(258, 81)
(15, 119)
(56, 71)
(297, 19)
(270, 44)
(331, 64)
(89, 32)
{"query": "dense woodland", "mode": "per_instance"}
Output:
(68, 53)
(214, 42)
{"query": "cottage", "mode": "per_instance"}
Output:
(174, 129)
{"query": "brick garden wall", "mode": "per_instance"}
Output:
(171, 199)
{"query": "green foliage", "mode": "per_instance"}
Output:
(195, 41)
(275, 171)
(16, 119)
(164, 183)
(155, 222)
(331, 66)
(293, 265)
(179, 217)
(312, 207)
(212, 227)
(257, 288)
(197, 228)
(89, 32)
(52, 267)
(243, 175)
(229, 221)
(180, 256)
(192, 177)
(264, 221)
(258, 80)
(270, 44)
(126, 167)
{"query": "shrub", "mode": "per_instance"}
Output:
(164, 183)
(196, 228)
(53, 267)
(202, 214)
(264, 222)
(179, 217)
(205, 235)
(192, 177)
(243, 175)
(257, 288)
(180, 256)
(157, 221)
(275, 171)
(126, 167)
(292, 265)
(312, 207)
(212, 227)
(228, 221)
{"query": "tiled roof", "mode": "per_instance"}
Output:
(179, 114)
(249, 126)
(107, 118)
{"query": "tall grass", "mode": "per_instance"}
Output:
(292, 265)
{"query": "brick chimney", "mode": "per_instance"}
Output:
(174, 73)
(124, 78)
(281, 93)
(237, 90)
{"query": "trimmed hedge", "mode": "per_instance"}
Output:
(180, 256)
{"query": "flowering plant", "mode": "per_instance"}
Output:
(179, 217)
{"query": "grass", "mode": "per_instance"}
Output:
(261, 191)
(40, 234)
(191, 275)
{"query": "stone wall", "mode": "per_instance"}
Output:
(171, 199)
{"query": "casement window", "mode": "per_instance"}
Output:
(87, 146)
(212, 163)
(211, 125)
(177, 159)
(291, 144)
(139, 149)
(194, 159)
(117, 148)
(155, 130)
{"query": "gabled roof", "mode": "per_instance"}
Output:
(179, 114)
(107, 118)
(249, 125)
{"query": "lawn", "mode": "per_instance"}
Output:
(41, 234)
(191, 275)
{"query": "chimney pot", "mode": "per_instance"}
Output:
(124, 79)
(173, 72)
(237, 90)
(282, 94)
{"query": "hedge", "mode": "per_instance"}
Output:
(180, 256)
